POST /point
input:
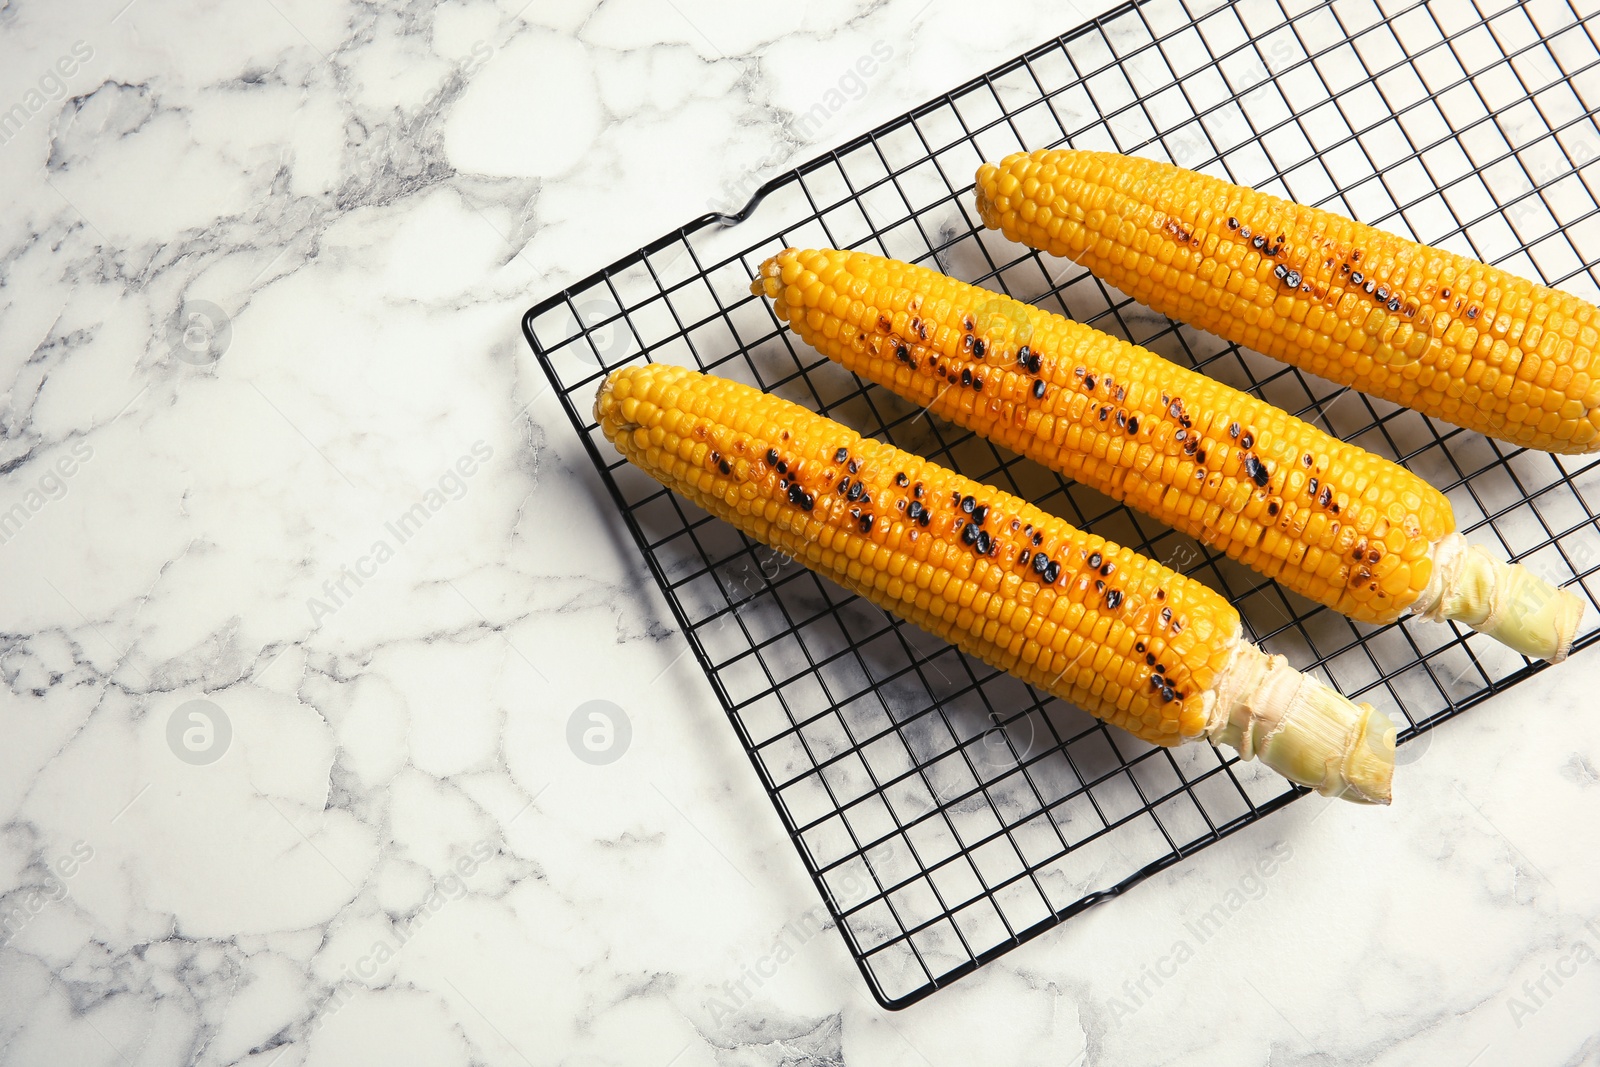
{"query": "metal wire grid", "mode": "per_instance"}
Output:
(947, 812)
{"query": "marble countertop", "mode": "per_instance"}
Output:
(285, 783)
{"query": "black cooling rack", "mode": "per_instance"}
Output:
(946, 812)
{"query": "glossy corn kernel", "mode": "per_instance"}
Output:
(1422, 327)
(1327, 519)
(1118, 634)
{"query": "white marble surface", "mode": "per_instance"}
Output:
(395, 857)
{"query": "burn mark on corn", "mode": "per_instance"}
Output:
(1256, 470)
(1038, 389)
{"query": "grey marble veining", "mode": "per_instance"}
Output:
(312, 591)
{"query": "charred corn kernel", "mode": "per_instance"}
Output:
(1088, 621)
(1448, 336)
(1220, 465)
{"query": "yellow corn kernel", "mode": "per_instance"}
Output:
(859, 511)
(1207, 459)
(1128, 640)
(1440, 333)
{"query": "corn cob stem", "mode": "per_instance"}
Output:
(1449, 336)
(1507, 601)
(1326, 518)
(1088, 621)
(1299, 727)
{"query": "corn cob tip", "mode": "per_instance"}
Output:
(605, 397)
(985, 191)
(776, 272)
(1302, 729)
(1505, 601)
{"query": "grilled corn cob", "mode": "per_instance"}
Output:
(1090, 622)
(1425, 328)
(1328, 519)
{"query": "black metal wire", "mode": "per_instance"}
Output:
(889, 754)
